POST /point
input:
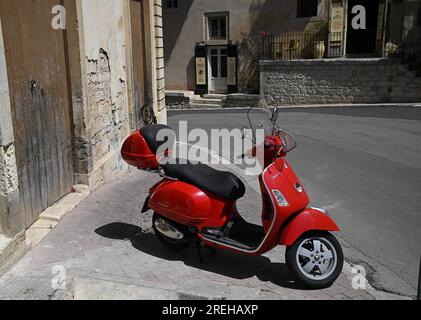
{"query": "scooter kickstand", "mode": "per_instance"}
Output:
(212, 250)
(199, 251)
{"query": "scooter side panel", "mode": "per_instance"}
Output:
(188, 205)
(308, 220)
(281, 177)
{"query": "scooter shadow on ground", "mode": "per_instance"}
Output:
(229, 264)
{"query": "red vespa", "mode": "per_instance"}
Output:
(195, 202)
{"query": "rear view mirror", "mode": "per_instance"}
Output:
(275, 115)
(243, 133)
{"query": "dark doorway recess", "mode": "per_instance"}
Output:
(363, 41)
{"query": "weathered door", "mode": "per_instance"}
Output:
(37, 71)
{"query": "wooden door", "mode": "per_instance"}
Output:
(38, 83)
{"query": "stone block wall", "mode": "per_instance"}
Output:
(178, 101)
(240, 100)
(338, 81)
(102, 118)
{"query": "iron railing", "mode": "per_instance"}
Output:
(289, 46)
(402, 42)
(366, 43)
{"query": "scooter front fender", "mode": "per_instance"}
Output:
(310, 219)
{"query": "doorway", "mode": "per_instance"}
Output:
(363, 42)
(37, 65)
(218, 72)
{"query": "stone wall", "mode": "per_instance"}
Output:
(338, 81)
(102, 121)
(177, 101)
(240, 100)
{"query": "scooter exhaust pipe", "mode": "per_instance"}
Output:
(168, 230)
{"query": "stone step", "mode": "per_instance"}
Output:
(205, 106)
(214, 96)
(207, 101)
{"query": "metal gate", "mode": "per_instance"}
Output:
(38, 83)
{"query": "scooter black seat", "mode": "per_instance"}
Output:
(150, 134)
(220, 183)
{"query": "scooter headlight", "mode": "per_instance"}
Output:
(282, 201)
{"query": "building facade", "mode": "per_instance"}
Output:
(214, 46)
(216, 25)
(76, 78)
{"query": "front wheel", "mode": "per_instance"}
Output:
(316, 260)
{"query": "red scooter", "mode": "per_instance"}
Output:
(195, 202)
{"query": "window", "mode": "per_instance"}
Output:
(171, 4)
(217, 28)
(308, 8)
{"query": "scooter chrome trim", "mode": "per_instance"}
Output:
(168, 230)
(267, 233)
(321, 210)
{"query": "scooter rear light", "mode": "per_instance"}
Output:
(280, 198)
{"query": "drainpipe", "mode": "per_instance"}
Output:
(345, 35)
(419, 283)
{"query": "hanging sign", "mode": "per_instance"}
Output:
(232, 71)
(337, 20)
(201, 71)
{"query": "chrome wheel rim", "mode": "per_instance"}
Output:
(316, 258)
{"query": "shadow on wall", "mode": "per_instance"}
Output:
(191, 75)
(175, 19)
(273, 16)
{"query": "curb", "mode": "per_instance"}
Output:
(11, 251)
(195, 289)
(49, 219)
(309, 106)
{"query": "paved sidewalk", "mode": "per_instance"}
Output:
(106, 249)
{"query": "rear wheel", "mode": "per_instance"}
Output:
(316, 260)
(171, 234)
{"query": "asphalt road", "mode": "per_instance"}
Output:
(364, 165)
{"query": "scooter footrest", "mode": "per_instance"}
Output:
(242, 235)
